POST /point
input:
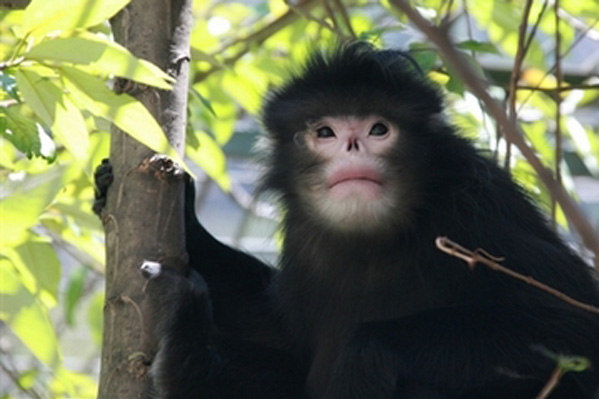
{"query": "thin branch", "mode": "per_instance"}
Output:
(478, 86)
(8, 103)
(533, 31)
(445, 20)
(558, 108)
(255, 38)
(14, 376)
(559, 89)
(331, 14)
(345, 17)
(572, 46)
(306, 14)
(472, 258)
(515, 76)
(555, 378)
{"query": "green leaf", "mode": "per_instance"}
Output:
(26, 135)
(424, 56)
(479, 47)
(211, 159)
(26, 317)
(124, 111)
(455, 84)
(36, 94)
(70, 129)
(22, 208)
(96, 317)
(56, 110)
(205, 102)
(73, 294)
(69, 384)
(246, 88)
(42, 16)
(103, 56)
(38, 267)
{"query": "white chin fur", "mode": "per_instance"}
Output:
(353, 213)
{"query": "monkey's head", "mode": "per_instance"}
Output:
(342, 135)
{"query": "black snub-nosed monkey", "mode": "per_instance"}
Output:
(369, 173)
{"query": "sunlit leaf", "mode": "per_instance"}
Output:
(124, 111)
(50, 103)
(210, 157)
(33, 88)
(205, 103)
(42, 16)
(537, 78)
(277, 7)
(38, 267)
(103, 56)
(95, 317)
(440, 78)
(22, 208)
(69, 384)
(70, 129)
(479, 47)
(26, 135)
(243, 91)
(585, 142)
(26, 317)
(28, 379)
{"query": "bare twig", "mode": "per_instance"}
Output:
(306, 14)
(533, 31)
(447, 14)
(552, 69)
(555, 378)
(558, 108)
(345, 17)
(559, 89)
(8, 103)
(472, 258)
(478, 86)
(331, 14)
(515, 76)
(255, 38)
(15, 377)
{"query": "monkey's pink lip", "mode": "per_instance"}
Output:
(355, 175)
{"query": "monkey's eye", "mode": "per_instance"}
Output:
(324, 132)
(379, 130)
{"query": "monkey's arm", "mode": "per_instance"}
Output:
(238, 283)
(468, 352)
(194, 359)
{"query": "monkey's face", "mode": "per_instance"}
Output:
(352, 186)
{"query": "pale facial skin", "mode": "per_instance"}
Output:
(353, 190)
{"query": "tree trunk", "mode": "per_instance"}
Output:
(143, 219)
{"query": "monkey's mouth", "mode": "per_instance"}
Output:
(363, 182)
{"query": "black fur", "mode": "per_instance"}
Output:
(386, 315)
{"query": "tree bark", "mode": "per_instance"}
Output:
(143, 219)
(14, 4)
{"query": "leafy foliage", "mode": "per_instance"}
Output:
(57, 61)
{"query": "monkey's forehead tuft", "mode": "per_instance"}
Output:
(352, 80)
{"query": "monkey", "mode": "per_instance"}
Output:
(369, 173)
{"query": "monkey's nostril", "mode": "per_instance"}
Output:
(353, 145)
